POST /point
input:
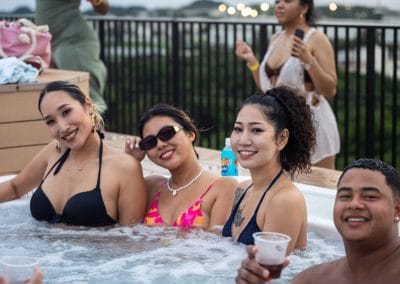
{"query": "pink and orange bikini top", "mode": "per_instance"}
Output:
(191, 217)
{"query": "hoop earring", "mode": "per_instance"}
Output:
(58, 148)
(92, 117)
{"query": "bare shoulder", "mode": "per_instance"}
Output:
(51, 149)
(287, 197)
(318, 38)
(33, 172)
(49, 153)
(289, 191)
(274, 37)
(153, 181)
(226, 183)
(153, 184)
(329, 272)
(318, 35)
(120, 160)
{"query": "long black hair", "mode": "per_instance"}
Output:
(285, 107)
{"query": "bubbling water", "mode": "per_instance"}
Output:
(136, 254)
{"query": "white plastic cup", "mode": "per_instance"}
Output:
(271, 251)
(18, 269)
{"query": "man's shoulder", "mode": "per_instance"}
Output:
(316, 273)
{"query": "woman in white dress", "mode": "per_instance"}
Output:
(305, 63)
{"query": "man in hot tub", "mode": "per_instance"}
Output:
(366, 214)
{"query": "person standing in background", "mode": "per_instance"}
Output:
(305, 63)
(75, 45)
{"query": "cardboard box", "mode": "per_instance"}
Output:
(22, 131)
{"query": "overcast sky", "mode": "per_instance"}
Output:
(12, 4)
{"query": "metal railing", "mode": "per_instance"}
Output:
(191, 64)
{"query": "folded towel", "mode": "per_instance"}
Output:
(13, 70)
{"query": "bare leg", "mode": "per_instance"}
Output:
(328, 163)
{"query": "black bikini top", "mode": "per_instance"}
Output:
(82, 209)
(246, 236)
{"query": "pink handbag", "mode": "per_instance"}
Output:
(26, 41)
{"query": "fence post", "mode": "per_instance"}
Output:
(175, 64)
(370, 94)
(102, 37)
(263, 42)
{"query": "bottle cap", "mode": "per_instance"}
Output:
(228, 141)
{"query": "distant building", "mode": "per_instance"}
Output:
(167, 13)
(134, 11)
(350, 12)
(201, 8)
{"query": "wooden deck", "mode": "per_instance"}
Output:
(210, 159)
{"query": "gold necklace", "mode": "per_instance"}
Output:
(79, 168)
(82, 167)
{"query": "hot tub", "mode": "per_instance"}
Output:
(140, 254)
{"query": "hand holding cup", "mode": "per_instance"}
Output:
(271, 253)
(18, 269)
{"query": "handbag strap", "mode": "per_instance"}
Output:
(27, 23)
(33, 40)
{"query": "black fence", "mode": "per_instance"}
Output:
(191, 64)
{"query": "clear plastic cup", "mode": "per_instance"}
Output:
(271, 251)
(17, 269)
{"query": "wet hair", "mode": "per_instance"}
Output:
(310, 15)
(392, 176)
(75, 93)
(285, 107)
(178, 115)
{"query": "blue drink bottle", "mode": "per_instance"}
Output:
(229, 165)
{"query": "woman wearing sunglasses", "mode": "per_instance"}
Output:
(192, 196)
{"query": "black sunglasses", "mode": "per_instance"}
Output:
(166, 133)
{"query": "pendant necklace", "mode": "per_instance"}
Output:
(79, 168)
(175, 191)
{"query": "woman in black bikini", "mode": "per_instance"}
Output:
(272, 137)
(80, 181)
